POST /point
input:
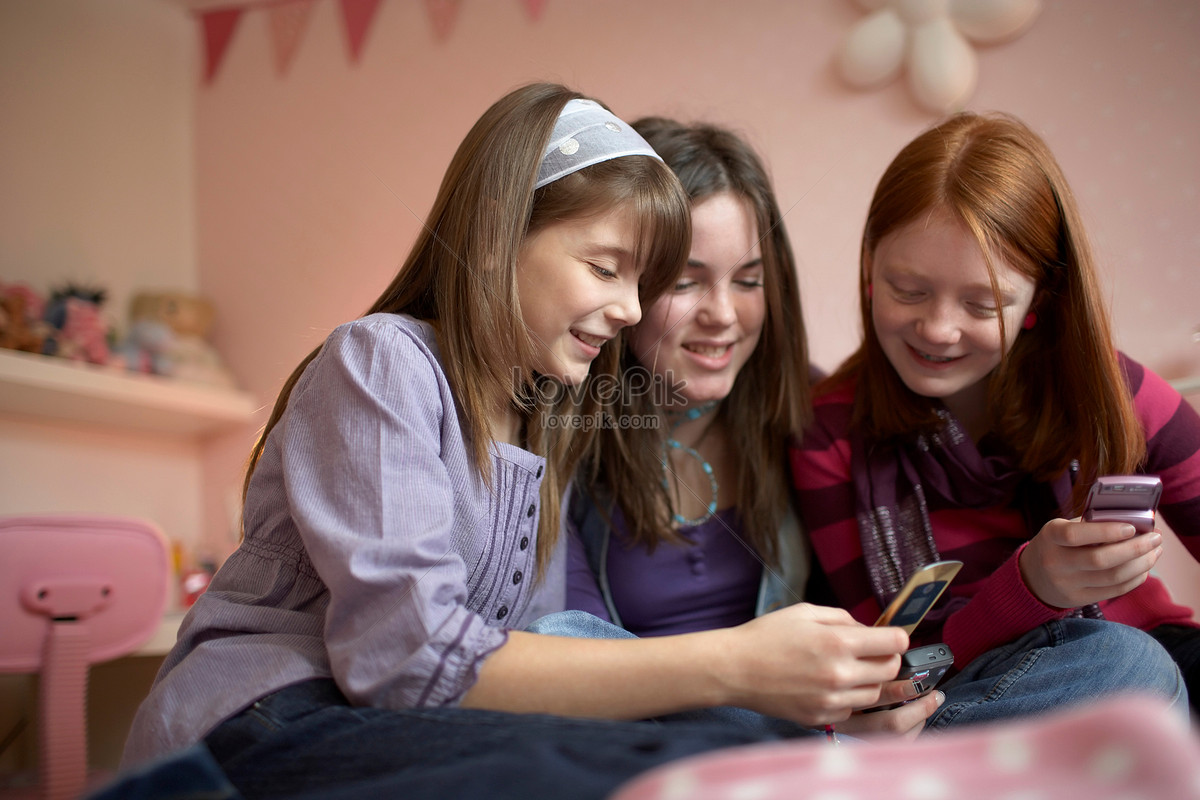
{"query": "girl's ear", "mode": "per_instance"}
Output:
(866, 266)
(1031, 316)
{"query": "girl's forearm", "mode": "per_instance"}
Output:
(607, 678)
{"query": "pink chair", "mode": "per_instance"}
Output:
(75, 591)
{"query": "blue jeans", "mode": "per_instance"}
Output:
(1055, 666)
(189, 774)
(307, 742)
(1068, 662)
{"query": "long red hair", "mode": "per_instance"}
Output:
(1059, 394)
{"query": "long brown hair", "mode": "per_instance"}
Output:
(770, 400)
(461, 276)
(1059, 394)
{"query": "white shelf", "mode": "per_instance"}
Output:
(57, 389)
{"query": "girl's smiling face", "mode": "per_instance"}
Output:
(578, 284)
(935, 313)
(702, 333)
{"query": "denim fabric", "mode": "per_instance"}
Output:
(1055, 666)
(188, 774)
(305, 742)
(1068, 662)
(578, 625)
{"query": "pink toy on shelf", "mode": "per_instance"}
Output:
(84, 334)
(78, 590)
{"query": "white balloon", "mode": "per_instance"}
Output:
(873, 52)
(941, 66)
(929, 39)
(989, 21)
(914, 12)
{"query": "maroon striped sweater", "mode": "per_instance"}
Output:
(988, 540)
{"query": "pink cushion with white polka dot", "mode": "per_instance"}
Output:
(1123, 749)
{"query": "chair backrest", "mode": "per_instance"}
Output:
(74, 591)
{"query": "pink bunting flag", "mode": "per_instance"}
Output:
(534, 8)
(217, 28)
(442, 14)
(288, 21)
(358, 16)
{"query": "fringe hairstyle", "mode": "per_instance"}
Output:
(461, 275)
(1059, 394)
(770, 400)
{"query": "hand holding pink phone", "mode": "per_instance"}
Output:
(1068, 565)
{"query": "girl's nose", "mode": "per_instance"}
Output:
(939, 326)
(716, 307)
(626, 308)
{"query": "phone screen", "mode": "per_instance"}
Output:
(920, 592)
(918, 603)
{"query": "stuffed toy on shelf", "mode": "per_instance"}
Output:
(21, 323)
(167, 336)
(69, 325)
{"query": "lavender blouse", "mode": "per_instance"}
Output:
(373, 553)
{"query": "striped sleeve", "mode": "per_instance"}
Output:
(1172, 429)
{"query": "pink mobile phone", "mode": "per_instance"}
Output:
(1124, 498)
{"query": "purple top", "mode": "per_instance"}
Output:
(373, 554)
(711, 582)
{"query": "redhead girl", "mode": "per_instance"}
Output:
(986, 398)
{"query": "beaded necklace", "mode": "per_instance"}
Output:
(673, 444)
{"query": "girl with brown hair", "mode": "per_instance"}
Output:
(683, 521)
(401, 515)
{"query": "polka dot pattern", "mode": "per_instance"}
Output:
(1129, 749)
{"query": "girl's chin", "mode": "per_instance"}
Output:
(716, 395)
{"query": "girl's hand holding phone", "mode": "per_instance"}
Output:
(1106, 554)
(810, 664)
(906, 721)
(1071, 563)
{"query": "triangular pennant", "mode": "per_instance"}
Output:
(358, 15)
(534, 8)
(442, 14)
(217, 28)
(288, 21)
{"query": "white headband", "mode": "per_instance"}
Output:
(587, 134)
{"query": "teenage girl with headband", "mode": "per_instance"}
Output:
(986, 398)
(401, 515)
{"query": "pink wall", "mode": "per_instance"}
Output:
(311, 186)
(96, 125)
(96, 149)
